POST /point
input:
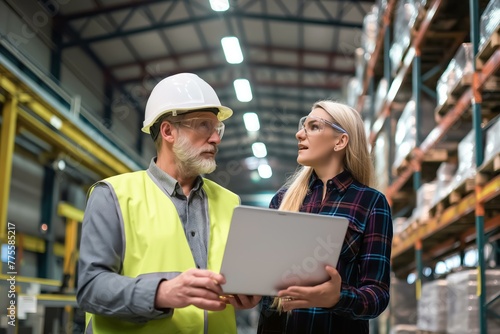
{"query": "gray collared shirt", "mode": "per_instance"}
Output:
(101, 288)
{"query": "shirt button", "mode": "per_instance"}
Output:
(193, 233)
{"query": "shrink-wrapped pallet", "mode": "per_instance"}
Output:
(492, 145)
(405, 135)
(458, 71)
(433, 307)
(382, 158)
(406, 130)
(423, 204)
(382, 7)
(403, 303)
(382, 89)
(466, 161)
(404, 20)
(398, 225)
(353, 91)
(404, 329)
(463, 304)
(360, 65)
(490, 20)
(444, 176)
(370, 31)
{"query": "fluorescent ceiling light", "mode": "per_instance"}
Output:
(219, 5)
(56, 122)
(232, 49)
(259, 150)
(252, 163)
(265, 171)
(61, 165)
(243, 90)
(251, 121)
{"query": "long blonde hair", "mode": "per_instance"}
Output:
(357, 158)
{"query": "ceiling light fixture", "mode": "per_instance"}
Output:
(265, 171)
(219, 5)
(232, 49)
(243, 90)
(252, 163)
(259, 150)
(251, 121)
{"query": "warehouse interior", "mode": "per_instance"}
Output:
(424, 75)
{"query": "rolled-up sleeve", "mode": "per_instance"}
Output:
(101, 289)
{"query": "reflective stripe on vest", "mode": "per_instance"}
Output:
(155, 242)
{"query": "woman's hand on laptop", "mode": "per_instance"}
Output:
(322, 295)
(241, 301)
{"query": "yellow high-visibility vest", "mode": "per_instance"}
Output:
(155, 242)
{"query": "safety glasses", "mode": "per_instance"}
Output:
(203, 126)
(314, 125)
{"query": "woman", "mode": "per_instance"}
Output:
(334, 180)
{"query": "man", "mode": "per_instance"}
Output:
(152, 241)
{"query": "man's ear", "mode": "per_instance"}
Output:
(167, 131)
(342, 142)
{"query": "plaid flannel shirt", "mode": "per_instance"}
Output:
(364, 262)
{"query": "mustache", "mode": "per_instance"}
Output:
(211, 149)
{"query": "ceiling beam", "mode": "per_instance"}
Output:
(234, 13)
(108, 75)
(303, 68)
(254, 65)
(279, 96)
(122, 33)
(261, 47)
(114, 24)
(331, 87)
(208, 17)
(134, 4)
(278, 84)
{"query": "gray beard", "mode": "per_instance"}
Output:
(188, 160)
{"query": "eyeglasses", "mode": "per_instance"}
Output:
(204, 126)
(313, 125)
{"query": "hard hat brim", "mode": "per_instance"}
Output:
(224, 113)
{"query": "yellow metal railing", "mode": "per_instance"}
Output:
(73, 217)
(9, 115)
(24, 109)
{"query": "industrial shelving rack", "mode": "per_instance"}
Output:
(475, 215)
(28, 109)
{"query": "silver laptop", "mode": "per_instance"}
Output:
(269, 250)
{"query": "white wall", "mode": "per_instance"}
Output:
(24, 207)
(19, 31)
(75, 86)
(125, 121)
(79, 74)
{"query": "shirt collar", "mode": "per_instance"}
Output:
(341, 181)
(169, 184)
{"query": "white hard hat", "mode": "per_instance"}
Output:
(181, 93)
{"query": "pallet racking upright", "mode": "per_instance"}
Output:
(472, 217)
